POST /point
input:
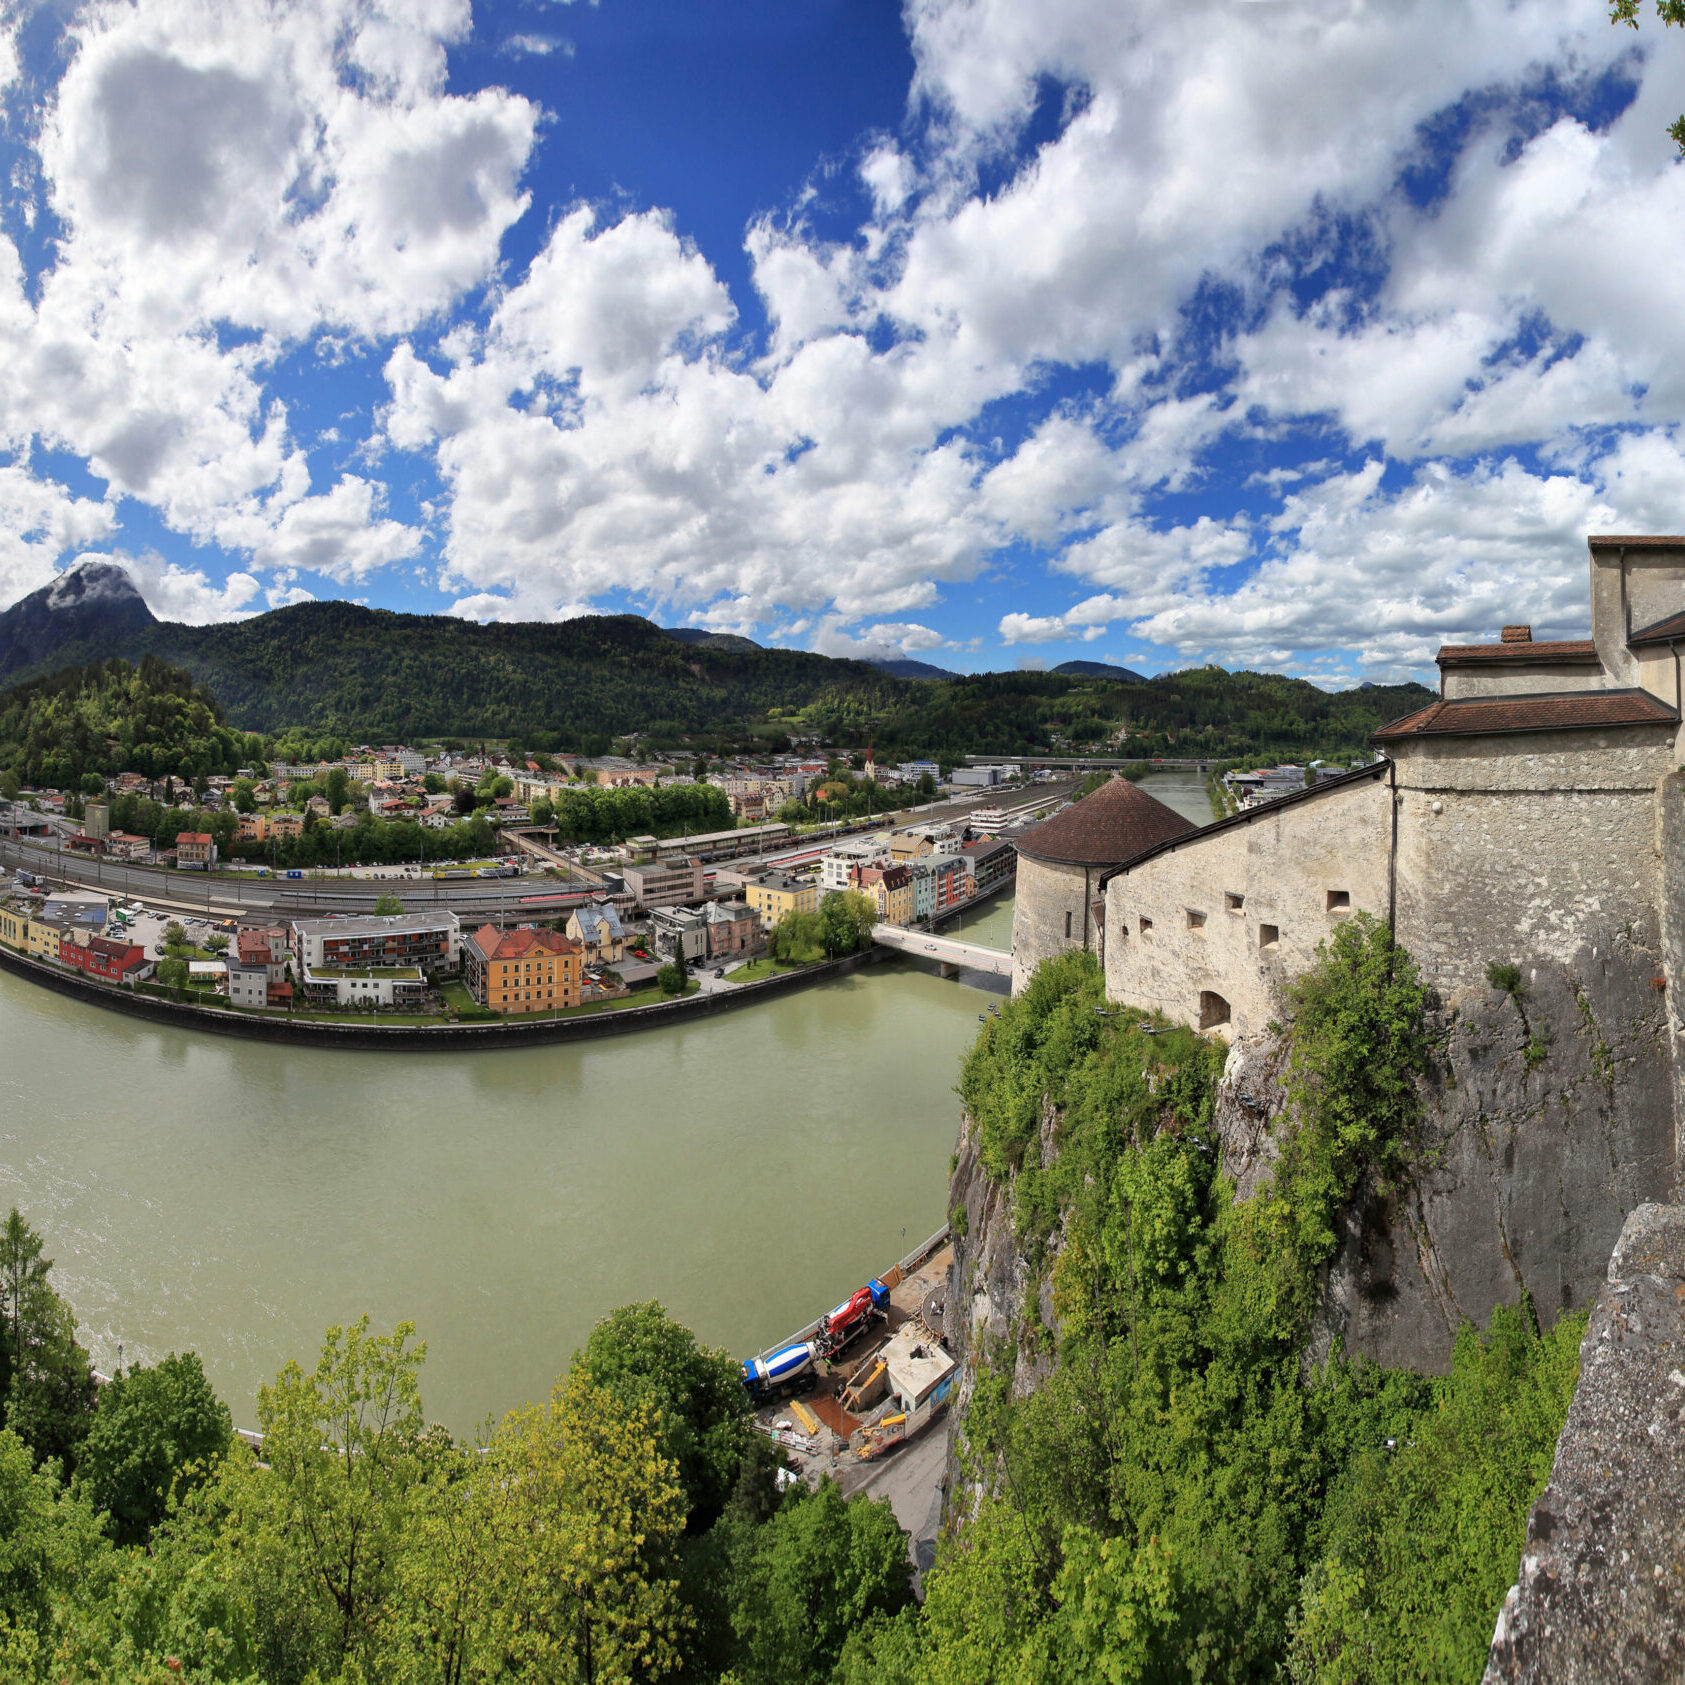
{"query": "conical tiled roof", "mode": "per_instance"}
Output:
(1107, 827)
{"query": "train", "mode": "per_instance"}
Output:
(785, 1370)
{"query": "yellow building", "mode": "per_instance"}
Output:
(251, 827)
(892, 888)
(774, 899)
(527, 970)
(286, 824)
(44, 939)
(14, 927)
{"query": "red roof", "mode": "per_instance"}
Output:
(1109, 825)
(1646, 541)
(495, 944)
(200, 837)
(1471, 716)
(1578, 651)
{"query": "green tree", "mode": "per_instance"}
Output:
(244, 796)
(586, 1515)
(846, 917)
(818, 1571)
(172, 973)
(344, 1449)
(695, 1395)
(337, 788)
(50, 1381)
(670, 979)
(153, 1427)
(388, 905)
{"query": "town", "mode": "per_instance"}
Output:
(612, 923)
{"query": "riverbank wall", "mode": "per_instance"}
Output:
(411, 1038)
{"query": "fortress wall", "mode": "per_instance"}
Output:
(1282, 863)
(1050, 899)
(1531, 849)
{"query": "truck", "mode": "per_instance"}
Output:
(767, 1378)
(852, 1316)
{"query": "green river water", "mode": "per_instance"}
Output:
(235, 1198)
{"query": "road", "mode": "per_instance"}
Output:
(911, 1479)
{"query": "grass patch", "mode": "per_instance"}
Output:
(757, 969)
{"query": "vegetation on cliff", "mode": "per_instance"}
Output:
(1183, 1496)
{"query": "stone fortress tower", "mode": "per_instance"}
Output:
(1061, 861)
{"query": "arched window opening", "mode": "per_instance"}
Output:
(1213, 1010)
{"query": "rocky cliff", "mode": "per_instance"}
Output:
(1547, 1118)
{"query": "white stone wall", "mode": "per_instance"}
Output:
(1050, 913)
(1233, 912)
(1504, 678)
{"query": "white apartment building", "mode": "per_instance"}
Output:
(840, 868)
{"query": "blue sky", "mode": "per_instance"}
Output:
(1293, 334)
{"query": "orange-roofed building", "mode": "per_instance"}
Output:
(525, 970)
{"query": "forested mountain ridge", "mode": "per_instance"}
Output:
(375, 675)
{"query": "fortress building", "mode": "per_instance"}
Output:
(1525, 818)
(1527, 826)
(1062, 861)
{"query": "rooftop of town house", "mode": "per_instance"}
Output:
(1111, 824)
(362, 973)
(526, 942)
(1473, 716)
(359, 924)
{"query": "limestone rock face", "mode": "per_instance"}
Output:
(1601, 1593)
(1547, 1118)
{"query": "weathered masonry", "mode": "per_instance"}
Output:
(1062, 861)
(1515, 820)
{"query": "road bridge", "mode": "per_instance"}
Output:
(951, 954)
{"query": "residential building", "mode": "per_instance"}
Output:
(664, 884)
(14, 927)
(924, 890)
(286, 824)
(256, 950)
(775, 898)
(110, 960)
(840, 868)
(733, 930)
(680, 930)
(46, 935)
(989, 864)
(429, 941)
(195, 851)
(525, 970)
(919, 841)
(248, 984)
(891, 887)
(749, 806)
(251, 827)
(370, 986)
(596, 928)
(125, 845)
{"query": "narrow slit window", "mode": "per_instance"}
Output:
(1233, 903)
(1067, 926)
(1268, 936)
(1339, 901)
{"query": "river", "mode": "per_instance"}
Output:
(235, 1198)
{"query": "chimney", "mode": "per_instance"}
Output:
(1518, 634)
